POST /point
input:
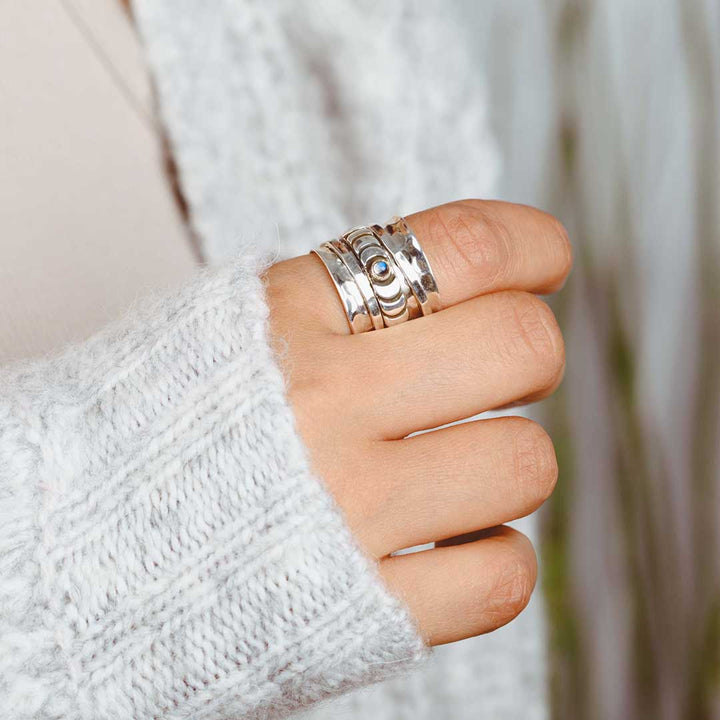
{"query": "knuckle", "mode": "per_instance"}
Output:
(307, 381)
(557, 249)
(535, 462)
(512, 588)
(308, 403)
(473, 241)
(564, 248)
(534, 332)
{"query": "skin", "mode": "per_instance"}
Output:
(356, 398)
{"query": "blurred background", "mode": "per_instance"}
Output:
(604, 112)
(608, 114)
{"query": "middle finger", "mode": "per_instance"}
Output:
(485, 353)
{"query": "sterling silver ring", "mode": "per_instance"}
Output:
(387, 281)
(347, 288)
(352, 262)
(400, 240)
(381, 275)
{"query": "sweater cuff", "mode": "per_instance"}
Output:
(175, 555)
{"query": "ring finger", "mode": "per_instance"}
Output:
(482, 354)
(454, 481)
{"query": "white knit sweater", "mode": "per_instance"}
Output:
(165, 550)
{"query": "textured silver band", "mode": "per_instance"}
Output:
(347, 288)
(381, 275)
(352, 263)
(386, 279)
(401, 242)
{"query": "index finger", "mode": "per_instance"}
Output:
(477, 247)
(474, 247)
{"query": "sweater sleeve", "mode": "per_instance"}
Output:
(165, 550)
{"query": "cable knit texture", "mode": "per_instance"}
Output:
(165, 551)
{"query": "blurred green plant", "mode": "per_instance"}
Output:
(670, 597)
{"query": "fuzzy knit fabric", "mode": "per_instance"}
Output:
(290, 120)
(165, 550)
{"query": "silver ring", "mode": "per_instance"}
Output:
(381, 275)
(352, 263)
(387, 281)
(347, 288)
(401, 242)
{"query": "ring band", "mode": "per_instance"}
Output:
(386, 279)
(366, 290)
(381, 275)
(400, 240)
(347, 288)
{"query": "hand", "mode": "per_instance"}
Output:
(357, 397)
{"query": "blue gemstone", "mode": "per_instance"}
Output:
(381, 267)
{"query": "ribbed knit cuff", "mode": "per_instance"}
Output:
(165, 551)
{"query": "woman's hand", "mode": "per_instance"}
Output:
(357, 397)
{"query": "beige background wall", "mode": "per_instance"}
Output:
(87, 222)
